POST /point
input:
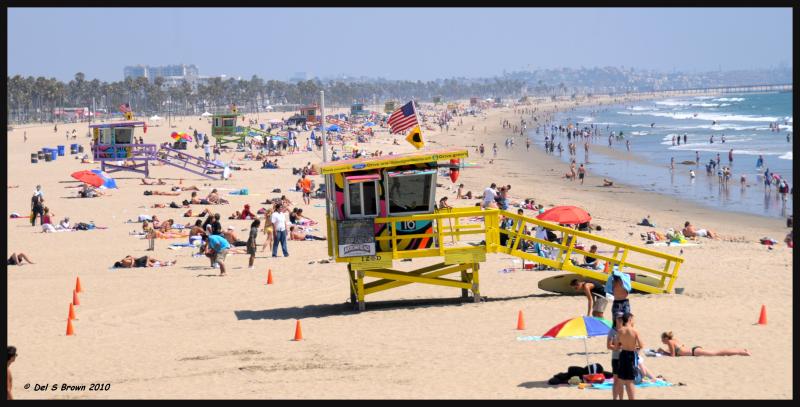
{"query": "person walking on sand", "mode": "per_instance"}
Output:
(37, 206)
(278, 220)
(672, 163)
(628, 145)
(628, 343)
(581, 173)
(527, 144)
(251, 242)
(494, 150)
(12, 356)
(305, 185)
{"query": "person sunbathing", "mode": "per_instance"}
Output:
(159, 182)
(198, 201)
(17, 259)
(169, 205)
(144, 261)
(296, 217)
(161, 193)
(295, 233)
(690, 231)
(607, 183)
(182, 188)
(230, 236)
(214, 198)
(676, 348)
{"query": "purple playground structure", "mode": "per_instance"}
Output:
(115, 147)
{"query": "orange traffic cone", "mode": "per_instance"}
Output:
(269, 277)
(70, 330)
(298, 332)
(71, 312)
(605, 270)
(520, 321)
(762, 319)
(78, 288)
(75, 299)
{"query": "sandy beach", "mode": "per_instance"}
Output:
(184, 332)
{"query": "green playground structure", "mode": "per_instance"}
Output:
(225, 130)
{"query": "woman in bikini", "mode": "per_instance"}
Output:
(678, 349)
(268, 230)
(144, 261)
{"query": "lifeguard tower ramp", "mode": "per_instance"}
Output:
(190, 163)
(370, 227)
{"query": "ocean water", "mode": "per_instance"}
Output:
(743, 119)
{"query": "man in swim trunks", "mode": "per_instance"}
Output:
(628, 343)
(619, 284)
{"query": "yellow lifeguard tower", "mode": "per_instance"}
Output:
(383, 209)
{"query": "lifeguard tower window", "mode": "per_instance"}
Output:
(123, 135)
(105, 135)
(411, 194)
(217, 122)
(228, 122)
(362, 199)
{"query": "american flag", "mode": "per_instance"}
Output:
(403, 118)
(124, 108)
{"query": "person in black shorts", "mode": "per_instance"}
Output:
(628, 343)
(616, 390)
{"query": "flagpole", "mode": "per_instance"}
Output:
(416, 114)
(322, 126)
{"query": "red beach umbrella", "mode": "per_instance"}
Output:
(565, 215)
(89, 178)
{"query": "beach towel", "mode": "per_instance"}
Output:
(609, 384)
(671, 244)
(653, 353)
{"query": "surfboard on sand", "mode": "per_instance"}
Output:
(560, 284)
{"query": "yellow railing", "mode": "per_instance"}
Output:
(449, 226)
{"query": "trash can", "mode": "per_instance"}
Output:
(47, 155)
(80, 149)
(53, 154)
(34, 158)
(61, 151)
(263, 126)
(73, 149)
(40, 153)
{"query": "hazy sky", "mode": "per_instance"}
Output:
(392, 43)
